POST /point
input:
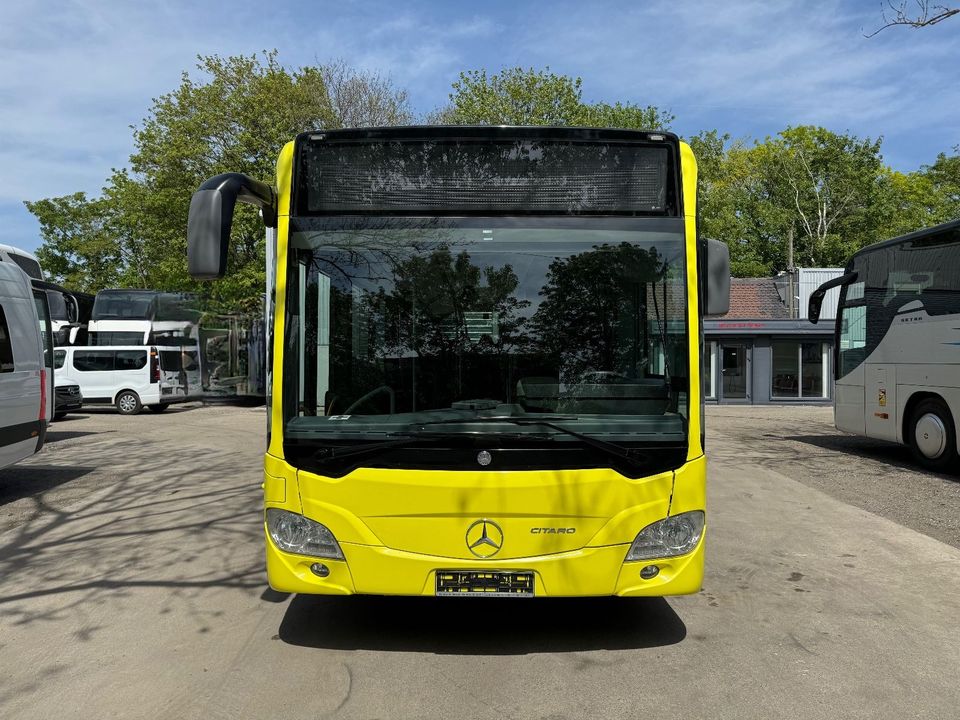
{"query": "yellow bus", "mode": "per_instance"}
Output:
(485, 372)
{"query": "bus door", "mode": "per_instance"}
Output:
(849, 388)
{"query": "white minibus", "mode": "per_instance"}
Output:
(129, 377)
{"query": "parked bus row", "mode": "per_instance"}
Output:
(40, 381)
(200, 354)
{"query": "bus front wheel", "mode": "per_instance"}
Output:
(932, 435)
(128, 403)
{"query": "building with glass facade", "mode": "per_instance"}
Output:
(760, 352)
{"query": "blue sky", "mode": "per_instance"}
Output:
(74, 75)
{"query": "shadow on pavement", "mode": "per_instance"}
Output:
(146, 412)
(467, 626)
(55, 434)
(888, 453)
(20, 481)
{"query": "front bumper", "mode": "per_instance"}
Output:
(591, 571)
(67, 404)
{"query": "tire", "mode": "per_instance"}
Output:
(128, 403)
(932, 435)
(157, 408)
(59, 416)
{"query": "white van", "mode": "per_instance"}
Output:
(26, 373)
(129, 377)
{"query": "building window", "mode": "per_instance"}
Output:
(799, 370)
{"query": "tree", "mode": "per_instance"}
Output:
(830, 191)
(235, 115)
(361, 99)
(520, 96)
(79, 248)
(832, 185)
(944, 176)
(924, 14)
(724, 180)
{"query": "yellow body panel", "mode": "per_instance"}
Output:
(397, 528)
(382, 571)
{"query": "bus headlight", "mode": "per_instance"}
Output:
(672, 536)
(298, 534)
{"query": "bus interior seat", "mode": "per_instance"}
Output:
(538, 394)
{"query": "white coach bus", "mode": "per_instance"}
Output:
(897, 362)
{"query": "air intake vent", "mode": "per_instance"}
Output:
(495, 177)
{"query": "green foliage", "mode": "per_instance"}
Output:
(830, 192)
(235, 116)
(79, 247)
(539, 97)
(944, 176)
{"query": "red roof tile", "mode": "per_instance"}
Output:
(755, 298)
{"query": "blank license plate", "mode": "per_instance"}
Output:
(469, 583)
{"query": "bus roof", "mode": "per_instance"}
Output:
(916, 235)
(489, 132)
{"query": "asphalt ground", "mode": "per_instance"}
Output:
(132, 586)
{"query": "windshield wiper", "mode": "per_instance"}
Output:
(337, 452)
(632, 456)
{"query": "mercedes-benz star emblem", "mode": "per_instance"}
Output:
(484, 458)
(484, 538)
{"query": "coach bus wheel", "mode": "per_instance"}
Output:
(157, 408)
(932, 435)
(128, 403)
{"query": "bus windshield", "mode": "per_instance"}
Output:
(396, 322)
(895, 281)
(124, 305)
(145, 305)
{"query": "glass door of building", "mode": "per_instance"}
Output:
(735, 366)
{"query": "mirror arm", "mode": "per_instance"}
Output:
(245, 189)
(815, 303)
(210, 220)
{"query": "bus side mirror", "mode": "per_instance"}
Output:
(211, 218)
(716, 268)
(815, 303)
(73, 309)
